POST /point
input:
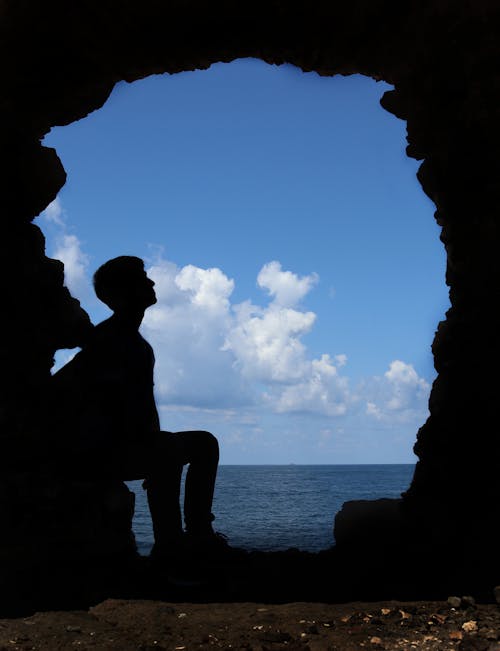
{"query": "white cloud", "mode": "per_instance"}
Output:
(341, 360)
(404, 374)
(208, 288)
(321, 390)
(373, 410)
(213, 353)
(54, 213)
(266, 341)
(187, 328)
(400, 395)
(286, 288)
(69, 251)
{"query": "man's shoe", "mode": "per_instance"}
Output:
(175, 563)
(168, 550)
(212, 545)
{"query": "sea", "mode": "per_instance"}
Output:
(278, 507)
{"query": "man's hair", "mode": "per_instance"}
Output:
(113, 277)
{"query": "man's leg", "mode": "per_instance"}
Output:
(171, 451)
(202, 455)
(163, 491)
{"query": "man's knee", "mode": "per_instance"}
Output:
(203, 445)
(193, 445)
(208, 442)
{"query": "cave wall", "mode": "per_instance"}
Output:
(59, 61)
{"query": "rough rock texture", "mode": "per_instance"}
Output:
(378, 521)
(60, 60)
(63, 520)
(49, 520)
(157, 626)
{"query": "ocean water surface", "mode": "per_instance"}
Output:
(272, 508)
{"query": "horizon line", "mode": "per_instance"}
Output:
(291, 463)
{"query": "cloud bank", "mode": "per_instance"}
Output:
(213, 353)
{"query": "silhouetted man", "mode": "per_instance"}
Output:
(108, 387)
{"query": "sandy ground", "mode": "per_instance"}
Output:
(139, 625)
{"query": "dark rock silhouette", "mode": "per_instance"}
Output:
(441, 56)
(52, 522)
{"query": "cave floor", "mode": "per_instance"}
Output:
(293, 601)
(143, 625)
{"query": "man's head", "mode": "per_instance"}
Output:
(122, 284)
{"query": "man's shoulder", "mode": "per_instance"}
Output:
(110, 331)
(111, 335)
(104, 328)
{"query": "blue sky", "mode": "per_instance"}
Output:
(298, 266)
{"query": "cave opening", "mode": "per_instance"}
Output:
(208, 244)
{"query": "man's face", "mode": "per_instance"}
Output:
(142, 290)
